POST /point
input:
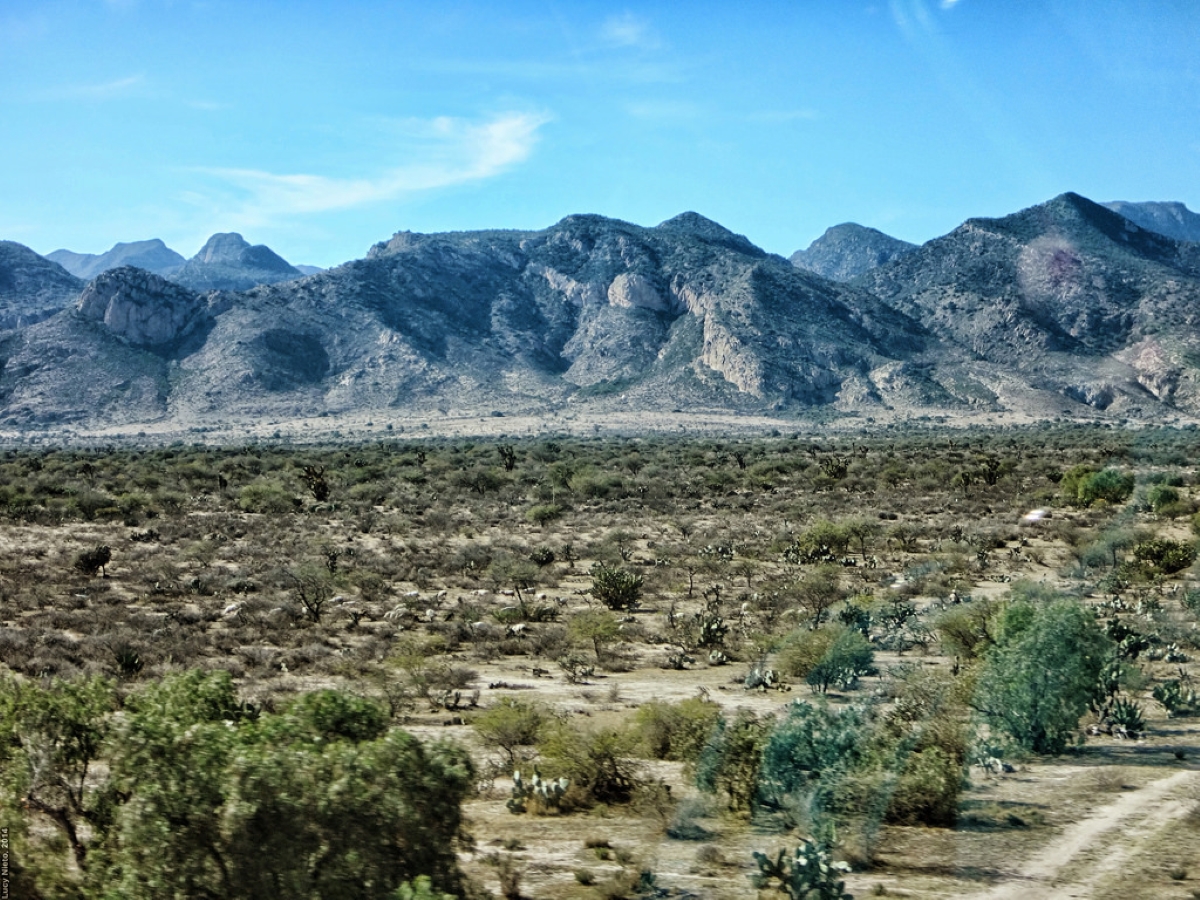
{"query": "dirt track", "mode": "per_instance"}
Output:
(1077, 862)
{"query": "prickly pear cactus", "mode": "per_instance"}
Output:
(808, 874)
(541, 794)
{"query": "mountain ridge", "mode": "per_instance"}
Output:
(1062, 308)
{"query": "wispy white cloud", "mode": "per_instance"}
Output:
(628, 30)
(782, 116)
(665, 110)
(105, 90)
(949, 4)
(455, 152)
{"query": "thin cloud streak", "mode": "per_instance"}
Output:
(628, 30)
(468, 152)
(106, 90)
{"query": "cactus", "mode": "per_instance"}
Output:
(1126, 718)
(542, 795)
(808, 874)
(1174, 697)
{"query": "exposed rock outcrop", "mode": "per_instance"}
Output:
(142, 308)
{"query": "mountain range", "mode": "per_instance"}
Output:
(1066, 308)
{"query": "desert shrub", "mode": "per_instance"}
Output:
(92, 561)
(848, 658)
(927, 789)
(823, 542)
(1161, 497)
(543, 513)
(676, 731)
(600, 763)
(1108, 485)
(803, 649)
(1166, 555)
(732, 758)
(511, 723)
(808, 743)
(615, 587)
(267, 496)
(965, 630)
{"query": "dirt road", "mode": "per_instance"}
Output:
(1075, 863)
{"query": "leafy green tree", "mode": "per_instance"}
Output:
(675, 731)
(811, 741)
(1042, 673)
(51, 737)
(595, 627)
(847, 659)
(322, 799)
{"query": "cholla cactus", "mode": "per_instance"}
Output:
(808, 874)
(543, 795)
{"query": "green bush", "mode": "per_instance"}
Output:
(848, 658)
(614, 587)
(730, 761)
(267, 496)
(1043, 673)
(598, 762)
(808, 743)
(1166, 555)
(676, 731)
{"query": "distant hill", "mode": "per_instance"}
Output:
(32, 287)
(1069, 294)
(153, 256)
(847, 250)
(1065, 308)
(228, 262)
(1172, 219)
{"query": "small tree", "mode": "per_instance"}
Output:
(511, 723)
(92, 561)
(595, 627)
(1043, 673)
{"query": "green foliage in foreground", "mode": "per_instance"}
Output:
(1043, 673)
(205, 797)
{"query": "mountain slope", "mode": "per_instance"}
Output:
(153, 256)
(847, 250)
(591, 312)
(32, 287)
(227, 262)
(1171, 219)
(1073, 296)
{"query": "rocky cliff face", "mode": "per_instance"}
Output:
(141, 308)
(845, 251)
(227, 262)
(32, 288)
(153, 256)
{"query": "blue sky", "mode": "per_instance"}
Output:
(319, 128)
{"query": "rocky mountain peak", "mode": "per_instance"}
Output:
(227, 261)
(31, 286)
(152, 255)
(695, 224)
(847, 250)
